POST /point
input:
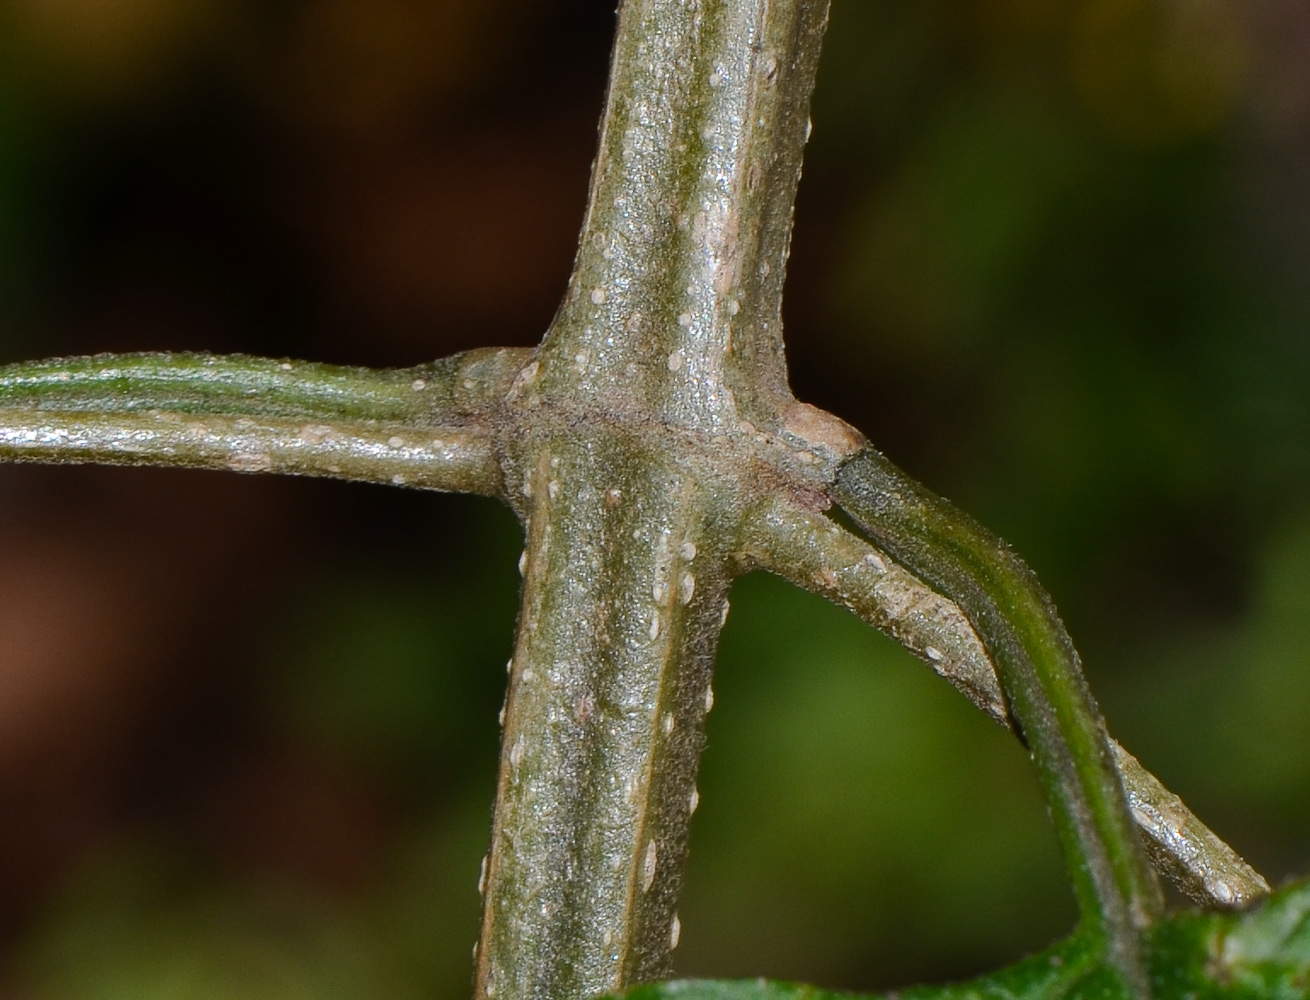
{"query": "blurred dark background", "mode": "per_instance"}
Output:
(1051, 255)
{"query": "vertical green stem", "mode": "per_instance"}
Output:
(669, 339)
(623, 590)
(675, 303)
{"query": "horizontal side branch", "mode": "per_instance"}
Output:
(816, 554)
(439, 459)
(433, 426)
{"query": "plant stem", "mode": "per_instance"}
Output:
(433, 426)
(623, 590)
(815, 553)
(1039, 671)
(640, 420)
(1183, 848)
(674, 308)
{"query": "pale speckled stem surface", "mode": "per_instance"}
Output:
(669, 343)
(433, 426)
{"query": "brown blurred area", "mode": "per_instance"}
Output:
(1050, 256)
(362, 181)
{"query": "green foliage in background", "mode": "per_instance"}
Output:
(1260, 954)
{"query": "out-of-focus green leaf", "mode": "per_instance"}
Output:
(1262, 954)
(136, 928)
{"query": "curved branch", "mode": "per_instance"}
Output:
(433, 426)
(1182, 847)
(1037, 666)
(816, 554)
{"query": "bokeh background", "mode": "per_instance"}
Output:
(1051, 255)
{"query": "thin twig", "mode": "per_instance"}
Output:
(431, 426)
(815, 553)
